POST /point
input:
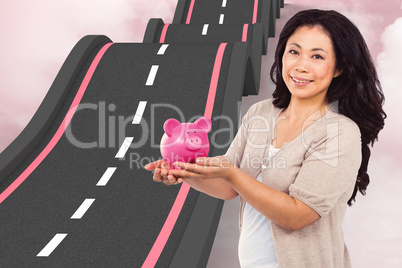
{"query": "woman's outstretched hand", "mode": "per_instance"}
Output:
(203, 168)
(210, 175)
(161, 170)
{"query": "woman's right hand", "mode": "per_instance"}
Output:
(161, 170)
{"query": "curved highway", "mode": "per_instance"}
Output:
(73, 191)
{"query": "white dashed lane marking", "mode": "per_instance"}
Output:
(205, 29)
(224, 3)
(139, 112)
(124, 147)
(50, 247)
(79, 213)
(151, 75)
(82, 209)
(106, 176)
(162, 49)
(221, 18)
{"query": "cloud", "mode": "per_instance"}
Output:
(379, 206)
(389, 63)
(369, 22)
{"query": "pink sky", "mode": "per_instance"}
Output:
(37, 37)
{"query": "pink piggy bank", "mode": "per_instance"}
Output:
(185, 142)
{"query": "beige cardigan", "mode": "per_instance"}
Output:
(319, 168)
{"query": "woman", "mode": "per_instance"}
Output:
(299, 159)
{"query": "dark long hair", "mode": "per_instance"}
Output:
(357, 90)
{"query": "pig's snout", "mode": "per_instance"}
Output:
(194, 142)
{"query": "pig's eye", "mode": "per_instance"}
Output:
(188, 132)
(195, 132)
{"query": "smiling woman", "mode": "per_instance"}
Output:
(356, 91)
(309, 63)
(327, 108)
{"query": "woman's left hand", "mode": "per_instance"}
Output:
(205, 168)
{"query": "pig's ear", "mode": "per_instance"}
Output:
(204, 123)
(170, 125)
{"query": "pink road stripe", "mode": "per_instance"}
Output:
(255, 11)
(190, 12)
(60, 130)
(163, 34)
(245, 31)
(167, 228)
(214, 81)
(174, 213)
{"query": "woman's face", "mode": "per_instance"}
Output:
(309, 64)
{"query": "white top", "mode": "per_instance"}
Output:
(256, 246)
